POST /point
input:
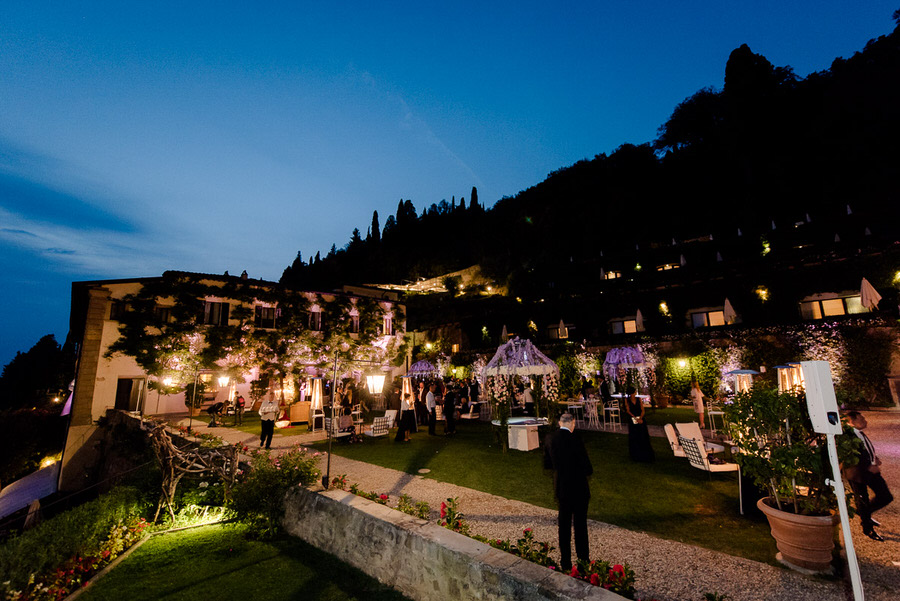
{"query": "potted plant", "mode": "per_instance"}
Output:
(778, 449)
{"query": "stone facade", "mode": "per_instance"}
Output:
(420, 559)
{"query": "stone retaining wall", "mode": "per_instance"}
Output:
(420, 559)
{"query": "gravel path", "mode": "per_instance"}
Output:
(665, 570)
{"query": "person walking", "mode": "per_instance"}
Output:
(268, 413)
(865, 475)
(564, 453)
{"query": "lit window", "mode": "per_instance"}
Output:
(387, 326)
(354, 321)
(625, 326)
(706, 319)
(454, 348)
(831, 307)
(612, 275)
(668, 266)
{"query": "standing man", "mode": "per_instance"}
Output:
(268, 413)
(564, 453)
(429, 406)
(865, 475)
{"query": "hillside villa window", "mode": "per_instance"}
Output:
(354, 321)
(454, 348)
(820, 306)
(117, 309)
(387, 325)
(668, 266)
(707, 319)
(623, 326)
(264, 317)
(315, 318)
(612, 275)
(215, 313)
(162, 314)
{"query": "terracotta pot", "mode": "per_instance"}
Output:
(804, 541)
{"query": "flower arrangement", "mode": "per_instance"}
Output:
(616, 578)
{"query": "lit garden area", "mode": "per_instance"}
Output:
(667, 498)
(221, 562)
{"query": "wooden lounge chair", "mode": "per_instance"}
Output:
(699, 459)
(692, 430)
(673, 441)
(380, 427)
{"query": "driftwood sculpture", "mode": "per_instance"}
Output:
(176, 462)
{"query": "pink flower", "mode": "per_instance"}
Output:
(552, 567)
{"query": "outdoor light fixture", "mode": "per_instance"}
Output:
(223, 381)
(762, 292)
(429, 346)
(407, 387)
(664, 309)
(167, 382)
(375, 383)
(682, 363)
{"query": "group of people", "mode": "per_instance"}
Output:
(420, 408)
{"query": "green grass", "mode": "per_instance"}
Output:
(219, 562)
(669, 415)
(667, 498)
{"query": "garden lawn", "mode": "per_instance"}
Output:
(219, 562)
(667, 498)
(669, 415)
(250, 425)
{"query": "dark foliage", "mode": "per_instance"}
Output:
(769, 148)
(36, 377)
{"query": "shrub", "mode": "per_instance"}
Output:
(77, 532)
(257, 498)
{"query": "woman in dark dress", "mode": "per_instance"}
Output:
(638, 436)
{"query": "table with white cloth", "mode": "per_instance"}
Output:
(645, 398)
(523, 432)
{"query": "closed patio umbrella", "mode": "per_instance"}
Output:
(730, 314)
(868, 295)
(639, 321)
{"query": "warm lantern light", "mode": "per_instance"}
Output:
(429, 346)
(682, 363)
(315, 394)
(223, 381)
(763, 293)
(375, 383)
(167, 382)
(407, 389)
(664, 309)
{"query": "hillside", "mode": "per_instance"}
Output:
(768, 150)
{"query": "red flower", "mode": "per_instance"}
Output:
(574, 572)
(619, 568)
(443, 509)
(595, 579)
(526, 531)
(384, 497)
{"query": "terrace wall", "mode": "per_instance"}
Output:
(418, 558)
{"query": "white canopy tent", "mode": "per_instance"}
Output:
(519, 358)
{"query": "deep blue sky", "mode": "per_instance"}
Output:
(209, 136)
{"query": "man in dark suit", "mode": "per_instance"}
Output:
(564, 453)
(865, 475)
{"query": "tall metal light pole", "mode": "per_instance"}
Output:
(326, 479)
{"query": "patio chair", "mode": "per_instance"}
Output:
(391, 415)
(699, 459)
(380, 427)
(333, 427)
(612, 414)
(673, 441)
(593, 417)
(713, 411)
(692, 430)
(473, 412)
